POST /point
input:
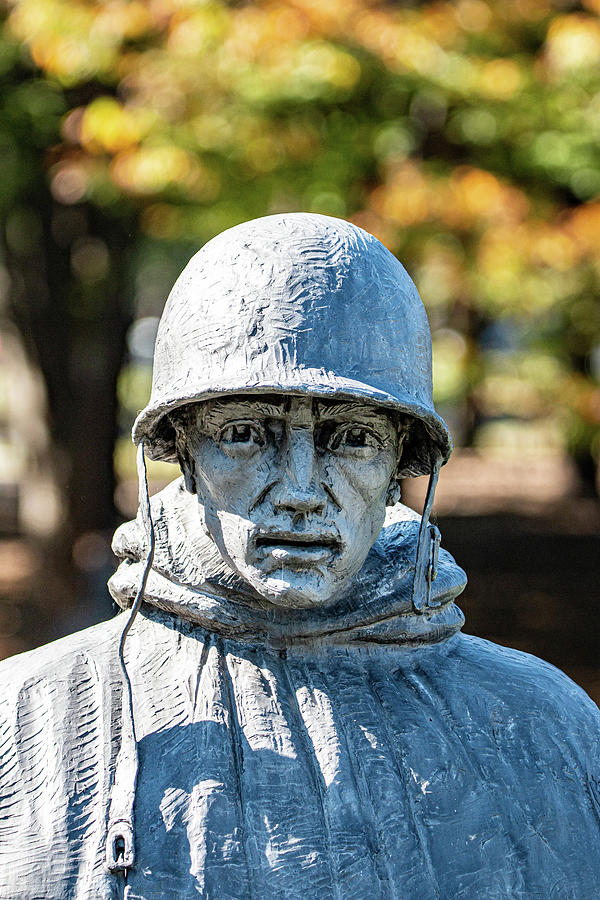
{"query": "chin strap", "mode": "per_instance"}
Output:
(120, 845)
(428, 546)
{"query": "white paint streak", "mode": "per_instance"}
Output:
(423, 783)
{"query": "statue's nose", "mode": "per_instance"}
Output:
(299, 490)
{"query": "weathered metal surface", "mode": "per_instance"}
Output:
(294, 712)
(369, 751)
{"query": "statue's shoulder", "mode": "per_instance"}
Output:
(528, 687)
(58, 663)
(59, 733)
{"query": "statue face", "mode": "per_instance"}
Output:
(293, 489)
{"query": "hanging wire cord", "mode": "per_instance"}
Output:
(120, 844)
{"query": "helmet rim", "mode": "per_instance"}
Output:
(429, 438)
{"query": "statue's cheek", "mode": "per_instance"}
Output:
(234, 481)
(369, 479)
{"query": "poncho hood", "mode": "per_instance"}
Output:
(189, 578)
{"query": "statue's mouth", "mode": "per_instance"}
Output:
(290, 546)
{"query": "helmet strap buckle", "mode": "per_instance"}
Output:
(428, 546)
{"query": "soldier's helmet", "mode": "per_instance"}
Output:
(296, 304)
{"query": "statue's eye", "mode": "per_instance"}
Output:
(243, 433)
(354, 440)
(356, 437)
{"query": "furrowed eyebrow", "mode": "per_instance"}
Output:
(350, 410)
(218, 412)
(239, 409)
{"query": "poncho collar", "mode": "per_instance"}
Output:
(190, 579)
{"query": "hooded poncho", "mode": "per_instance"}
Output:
(359, 751)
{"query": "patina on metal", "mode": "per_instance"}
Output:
(286, 706)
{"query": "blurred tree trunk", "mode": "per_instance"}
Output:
(581, 453)
(67, 299)
(587, 468)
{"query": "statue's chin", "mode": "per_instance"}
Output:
(308, 591)
(289, 599)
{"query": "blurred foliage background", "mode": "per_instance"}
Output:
(465, 135)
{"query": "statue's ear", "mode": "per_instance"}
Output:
(184, 457)
(188, 469)
(394, 492)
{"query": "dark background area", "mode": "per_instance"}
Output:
(532, 587)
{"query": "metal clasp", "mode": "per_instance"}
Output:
(119, 846)
(435, 539)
